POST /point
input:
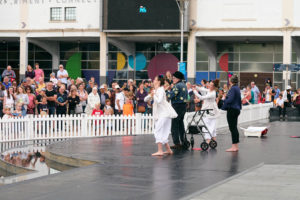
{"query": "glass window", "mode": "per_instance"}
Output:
(202, 56)
(141, 75)
(201, 66)
(3, 54)
(55, 14)
(70, 14)
(293, 77)
(257, 57)
(277, 76)
(256, 67)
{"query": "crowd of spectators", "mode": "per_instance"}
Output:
(62, 95)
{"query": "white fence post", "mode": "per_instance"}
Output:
(138, 123)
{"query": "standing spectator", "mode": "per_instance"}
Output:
(9, 73)
(90, 87)
(120, 99)
(256, 92)
(140, 97)
(106, 90)
(83, 96)
(233, 106)
(268, 81)
(53, 79)
(6, 82)
(31, 97)
(93, 99)
(44, 107)
(62, 75)
(146, 86)
(247, 96)
(128, 108)
(9, 99)
(73, 101)
(103, 97)
(225, 88)
(38, 100)
(97, 111)
(39, 73)
(280, 104)
(41, 84)
(22, 98)
(108, 110)
(169, 76)
(296, 100)
(2, 90)
(15, 85)
(149, 100)
(220, 98)
(51, 98)
(268, 94)
(29, 73)
(61, 101)
(276, 91)
(7, 113)
(19, 111)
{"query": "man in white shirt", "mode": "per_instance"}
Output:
(119, 102)
(62, 75)
(280, 104)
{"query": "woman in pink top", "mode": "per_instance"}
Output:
(31, 97)
(38, 72)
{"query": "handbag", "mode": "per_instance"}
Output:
(78, 109)
(141, 109)
(171, 111)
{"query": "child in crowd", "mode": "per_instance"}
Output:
(128, 108)
(97, 111)
(108, 110)
(44, 109)
(18, 112)
(53, 79)
(280, 104)
(7, 113)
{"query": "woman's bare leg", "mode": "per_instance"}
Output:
(168, 149)
(234, 148)
(159, 151)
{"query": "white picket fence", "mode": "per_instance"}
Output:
(71, 126)
(82, 126)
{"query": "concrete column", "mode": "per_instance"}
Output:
(191, 57)
(103, 57)
(23, 54)
(287, 54)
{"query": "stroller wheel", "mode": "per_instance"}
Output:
(213, 144)
(192, 142)
(204, 146)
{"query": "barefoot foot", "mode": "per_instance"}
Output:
(158, 154)
(168, 152)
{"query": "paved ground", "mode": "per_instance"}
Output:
(127, 171)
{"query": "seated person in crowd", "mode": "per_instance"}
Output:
(128, 108)
(280, 104)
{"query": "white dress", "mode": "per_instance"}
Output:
(92, 101)
(209, 103)
(163, 116)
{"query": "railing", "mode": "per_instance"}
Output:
(82, 126)
(248, 113)
(59, 127)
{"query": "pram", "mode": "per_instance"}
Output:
(194, 127)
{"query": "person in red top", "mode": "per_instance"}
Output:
(97, 111)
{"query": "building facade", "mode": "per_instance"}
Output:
(117, 40)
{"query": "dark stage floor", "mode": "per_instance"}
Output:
(127, 171)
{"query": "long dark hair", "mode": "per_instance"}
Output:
(161, 79)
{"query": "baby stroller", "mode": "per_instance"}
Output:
(194, 127)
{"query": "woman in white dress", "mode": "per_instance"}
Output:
(163, 114)
(209, 103)
(93, 99)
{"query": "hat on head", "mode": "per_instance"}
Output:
(178, 75)
(130, 80)
(288, 87)
(102, 87)
(117, 87)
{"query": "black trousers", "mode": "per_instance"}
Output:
(177, 128)
(232, 119)
(280, 110)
